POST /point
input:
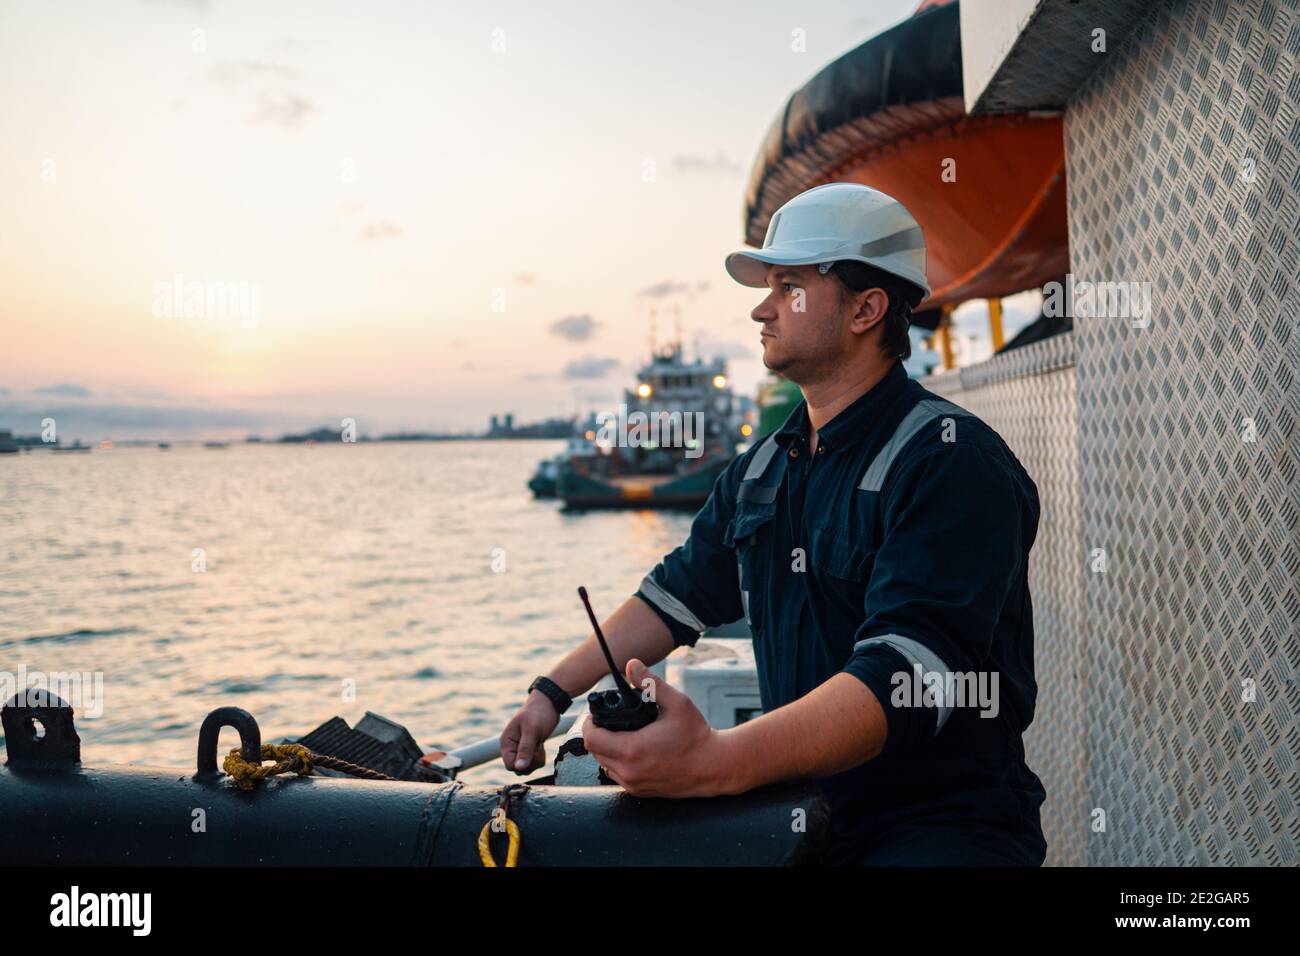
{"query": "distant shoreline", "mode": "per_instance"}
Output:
(29, 442)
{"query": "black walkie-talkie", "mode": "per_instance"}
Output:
(622, 708)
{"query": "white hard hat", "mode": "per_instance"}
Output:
(833, 222)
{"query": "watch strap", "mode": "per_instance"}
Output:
(553, 692)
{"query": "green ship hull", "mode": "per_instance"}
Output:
(581, 492)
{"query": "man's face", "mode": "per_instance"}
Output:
(805, 321)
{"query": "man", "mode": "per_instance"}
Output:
(877, 544)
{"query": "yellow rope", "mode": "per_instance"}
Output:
(512, 853)
(293, 757)
(298, 758)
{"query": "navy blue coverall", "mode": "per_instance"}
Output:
(896, 552)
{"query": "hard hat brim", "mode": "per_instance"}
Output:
(749, 266)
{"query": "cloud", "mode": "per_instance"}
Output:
(691, 163)
(245, 71)
(667, 288)
(589, 367)
(380, 230)
(575, 328)
(64, 391)
(724, 348)
(198, 6)
(285, 110)
(264, 86)
(122, 419)
(525, 278)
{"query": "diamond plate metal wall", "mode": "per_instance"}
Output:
(1029, 397)
(1054, 54)
(1183, 159)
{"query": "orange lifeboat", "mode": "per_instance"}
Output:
(988, 190)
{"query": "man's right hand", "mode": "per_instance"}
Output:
(523, 742)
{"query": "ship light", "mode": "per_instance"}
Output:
(590, 435)
(747, 429)
(719, 381)
(644, 390)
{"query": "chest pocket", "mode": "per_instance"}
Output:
(846, 557)
(746, 535)
(840, 564)
(749, 518)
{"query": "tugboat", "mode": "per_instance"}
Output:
(542, 484)
(666, 445)
(545, 479)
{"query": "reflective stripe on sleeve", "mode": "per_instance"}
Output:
(669, 604)
(916, 653)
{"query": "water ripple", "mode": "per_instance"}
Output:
(333, 580)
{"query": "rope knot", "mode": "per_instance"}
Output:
(288, 757)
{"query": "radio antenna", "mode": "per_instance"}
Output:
(609, 658)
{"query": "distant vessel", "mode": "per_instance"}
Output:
(7, 444)
(216, 444)
(164, 446)
(777, 398)
(674, 434)
(75, 446)
(545, 480)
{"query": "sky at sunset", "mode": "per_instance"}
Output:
(441, 210)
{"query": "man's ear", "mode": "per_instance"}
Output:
(872, 306)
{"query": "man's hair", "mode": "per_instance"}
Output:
(857, 277)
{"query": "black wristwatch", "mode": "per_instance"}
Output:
(553, 692)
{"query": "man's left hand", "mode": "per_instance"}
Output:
(679, 755)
